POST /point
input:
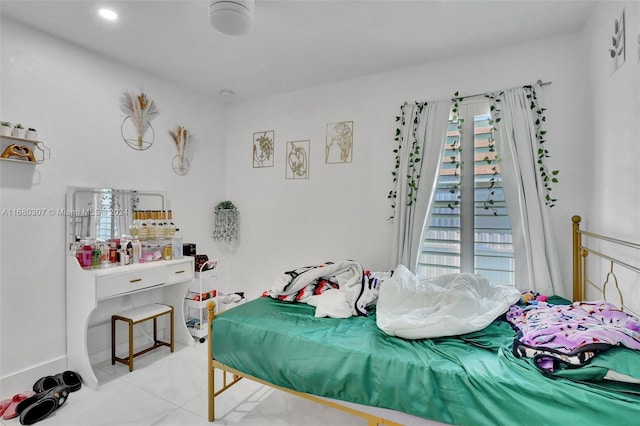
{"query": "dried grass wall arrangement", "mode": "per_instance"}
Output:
(181, 137)
(140, 110)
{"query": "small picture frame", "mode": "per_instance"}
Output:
(617, 47)
(297, 161)
(339, 143)
(263, 149)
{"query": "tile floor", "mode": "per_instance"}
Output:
(170, 389)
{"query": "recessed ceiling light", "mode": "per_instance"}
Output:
(227, 92)
(108, 14)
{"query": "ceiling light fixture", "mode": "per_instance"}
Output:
(227, 93)
(108, 14)
(232, 17)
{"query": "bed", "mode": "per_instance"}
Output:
(474, 378)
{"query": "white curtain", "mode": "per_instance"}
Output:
(423, 129)
(537, 266)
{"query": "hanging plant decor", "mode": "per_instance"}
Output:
(140, 110)
(226, 224)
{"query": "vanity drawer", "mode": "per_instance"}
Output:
(177, 272)
(115, 284)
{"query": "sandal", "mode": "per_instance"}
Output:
(41, 405)
(4, 404)
(10, 410)
(68, 378)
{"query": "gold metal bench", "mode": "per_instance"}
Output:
(136, 316)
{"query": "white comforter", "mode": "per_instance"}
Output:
(447, 305)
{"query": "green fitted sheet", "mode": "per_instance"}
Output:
(467, 380)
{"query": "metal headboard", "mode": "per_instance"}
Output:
(581, 250)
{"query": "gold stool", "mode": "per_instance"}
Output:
(136, 316)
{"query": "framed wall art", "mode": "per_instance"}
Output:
(263, 149)
(298, 160)
(616, 51)
(339, 143)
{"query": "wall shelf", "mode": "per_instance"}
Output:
(40, 151)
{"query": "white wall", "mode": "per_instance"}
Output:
(72, 97)
(341, 211)
(615, 125)
(616, 121)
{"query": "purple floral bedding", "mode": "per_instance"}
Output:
(570, 336)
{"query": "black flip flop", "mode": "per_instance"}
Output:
(41, 405)
(68, 378)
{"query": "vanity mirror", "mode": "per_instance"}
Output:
(106, 213)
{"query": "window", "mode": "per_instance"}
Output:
(107, 225)
(469, 229)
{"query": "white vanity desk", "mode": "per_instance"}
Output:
(87, 287)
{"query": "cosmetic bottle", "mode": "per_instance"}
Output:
(143, 229)
(176, 245)
(171, 227)
(161, 226)
(137, 250)
(167, 250)
(135, 225)
(86, 254)
(113, 253)
(97, 253)
(153, 226)
(123, 256)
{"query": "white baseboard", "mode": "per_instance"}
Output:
(23, 380)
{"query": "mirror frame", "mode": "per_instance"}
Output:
(73, 210)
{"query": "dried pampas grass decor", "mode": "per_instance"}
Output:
(140, 110)
(181, 138)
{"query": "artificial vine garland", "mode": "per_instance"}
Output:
(413, 176)
(413, 169)
(494, 112)
(456, 158)
(548, 177)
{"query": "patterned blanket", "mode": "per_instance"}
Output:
(570, 335)
(338, 290)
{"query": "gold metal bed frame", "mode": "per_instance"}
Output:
(584, 244)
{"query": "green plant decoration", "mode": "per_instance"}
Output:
(413, 176)
(494, 119)
(226, 224)
(413, 169)
(548, 177)
(457, 150)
